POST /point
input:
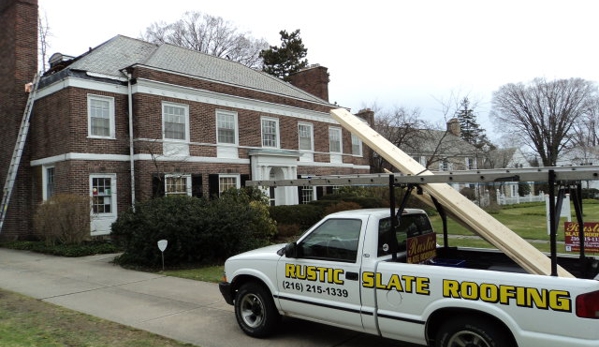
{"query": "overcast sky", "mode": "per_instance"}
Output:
(392, 53)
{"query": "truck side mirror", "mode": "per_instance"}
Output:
(291, 250)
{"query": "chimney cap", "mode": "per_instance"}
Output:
(57, 58)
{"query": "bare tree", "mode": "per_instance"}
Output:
(544, 112)
(211, 35)
(43, 32)
(400, 126)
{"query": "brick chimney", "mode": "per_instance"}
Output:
(18, 65)
(368, 115)
(453, 127)
(313, 79)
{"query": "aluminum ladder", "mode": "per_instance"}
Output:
(18, 151)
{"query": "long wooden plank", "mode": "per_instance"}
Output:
(458, 206)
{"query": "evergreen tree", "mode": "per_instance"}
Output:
(287, 59)
(471, 131)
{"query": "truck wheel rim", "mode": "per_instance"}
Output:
(252, 310)
(467, 338)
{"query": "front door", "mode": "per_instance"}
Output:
(103, 194)
(322, 282)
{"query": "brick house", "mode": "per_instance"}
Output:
(129, 120)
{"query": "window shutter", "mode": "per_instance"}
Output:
(213, 184)
(319, 192)
(196, 185)
(244, 178)
(157, 185)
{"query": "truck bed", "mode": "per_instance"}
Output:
(489, 259)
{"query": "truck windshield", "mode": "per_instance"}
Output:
(410, 225)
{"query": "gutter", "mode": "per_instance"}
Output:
(131, 149)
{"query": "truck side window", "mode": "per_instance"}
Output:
(410, 225)
(335, 239)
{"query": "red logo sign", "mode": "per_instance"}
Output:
(421, 248)
(572, 238)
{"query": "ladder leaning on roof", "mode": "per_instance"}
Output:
(18, 151)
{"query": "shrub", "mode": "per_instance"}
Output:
(341, 206)
(468, 193)
(304, 215)
(64, 219)
(197, 230)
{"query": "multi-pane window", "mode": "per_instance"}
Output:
(470, 163)
(226, 124)
(101, 195)
(175, 121)
(335, 140)
(356, 145)
(49, 180)
(100, 116)
(307, 193)
(177, 185)
(270, 132)
(226, 182)
(305, 137)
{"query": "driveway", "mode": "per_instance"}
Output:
(184, 310)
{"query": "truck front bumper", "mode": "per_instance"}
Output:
(225, 290)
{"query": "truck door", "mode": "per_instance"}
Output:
(321, 281)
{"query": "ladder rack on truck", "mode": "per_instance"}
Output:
(559, 179)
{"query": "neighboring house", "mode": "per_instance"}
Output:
(440, 150)
(506, 158)
(129, 120)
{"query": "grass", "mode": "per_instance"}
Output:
(527, 220)
(27, 322)
(207, 274)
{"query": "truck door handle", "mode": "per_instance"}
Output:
(351, 276)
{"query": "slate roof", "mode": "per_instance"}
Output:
(122, 51)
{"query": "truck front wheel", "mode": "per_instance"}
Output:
(471, 332)
(255, 310)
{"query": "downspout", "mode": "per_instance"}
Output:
(131, 149)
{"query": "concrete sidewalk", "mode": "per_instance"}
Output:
(184, 310)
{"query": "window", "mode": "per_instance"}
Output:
(307, 194)
(356, 145)
(410, 225)
(227, 181)
(270, 132)
(305, 137)
(175, 120)
(226, 127)
(335, 239)
(101, 194)
(177, 185)
(335, 140)
(470, 163)
(100, 110)
(48, 179)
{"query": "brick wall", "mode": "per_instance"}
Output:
(18, 64)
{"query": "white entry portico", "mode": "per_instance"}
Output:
(273, 164)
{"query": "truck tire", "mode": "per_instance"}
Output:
(472, 332)
(255, 310)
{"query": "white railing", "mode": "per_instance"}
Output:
(512, 200)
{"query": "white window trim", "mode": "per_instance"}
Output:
(184, 106)
(237, 181)
(187, 183)
(45, 180)
(113, 192)
(235, 120)
(340, 139)
(111, 120)
(354, 137)
(276, 120)
(311, 126)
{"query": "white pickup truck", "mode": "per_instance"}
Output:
(358, 270)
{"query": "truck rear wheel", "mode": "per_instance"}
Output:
(471, 332)
(255, 310)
